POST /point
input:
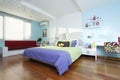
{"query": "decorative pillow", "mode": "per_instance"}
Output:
(63, 43)
(110, 46)
(73, 43)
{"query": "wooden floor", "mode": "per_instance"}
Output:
(85, 68)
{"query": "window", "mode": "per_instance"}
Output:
(13, 28)
(16, 29)
(27, 30)
(1, 27)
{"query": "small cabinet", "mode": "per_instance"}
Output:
(89, 52)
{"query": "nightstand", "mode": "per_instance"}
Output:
(89, 52)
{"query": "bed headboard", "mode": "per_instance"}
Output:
(71, 36)
(75, 35)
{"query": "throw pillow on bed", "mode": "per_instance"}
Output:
(73, 43)
(63, 43)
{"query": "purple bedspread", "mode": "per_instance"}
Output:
(60, 59)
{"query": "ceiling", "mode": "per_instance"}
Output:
(40, 10)
(91, 4)
(56, 8)
(16, 8)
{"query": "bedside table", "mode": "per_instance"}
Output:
(89, 52)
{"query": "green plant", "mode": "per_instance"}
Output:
(39, 39)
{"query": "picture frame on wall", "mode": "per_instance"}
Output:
(44, 33)
(94, 22)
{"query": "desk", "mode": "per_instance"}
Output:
(101, 52)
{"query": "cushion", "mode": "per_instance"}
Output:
(63, 43)
(73, 43)
(110, 46)
(19, 44)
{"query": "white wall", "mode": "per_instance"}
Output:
(73, 20)
(52, 31)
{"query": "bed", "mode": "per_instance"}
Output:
(60, 56)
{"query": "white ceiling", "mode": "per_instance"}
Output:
(56, 8)
(16, 8)
(48, 9)
(90, 4)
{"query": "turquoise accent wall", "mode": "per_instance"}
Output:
(45, 39)
(2, 43)
(109, 28)
(36, 30)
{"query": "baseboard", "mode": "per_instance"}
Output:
(108, 58)
(104, 58)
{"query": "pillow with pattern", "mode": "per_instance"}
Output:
(63, 43)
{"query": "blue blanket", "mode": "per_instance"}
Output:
(59, 58)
